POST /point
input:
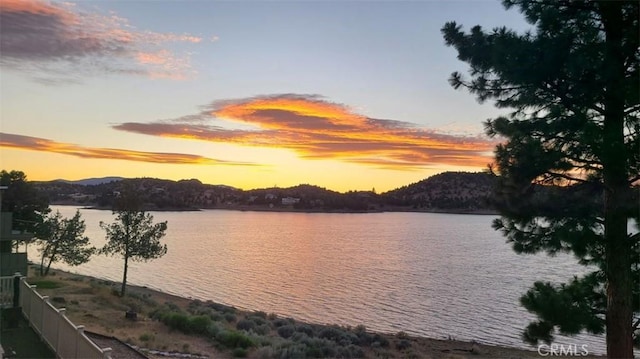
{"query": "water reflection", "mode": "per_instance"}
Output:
(435, 275)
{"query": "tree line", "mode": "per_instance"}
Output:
(133, 235)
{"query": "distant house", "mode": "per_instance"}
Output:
(269, 196)
(287, 201)
(11, 261)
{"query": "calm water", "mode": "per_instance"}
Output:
(435, 275)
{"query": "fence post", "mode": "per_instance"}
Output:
(16, 289)
(32, 294)
(61, 316)
(79, 331)
(45, 300)
(106, 353)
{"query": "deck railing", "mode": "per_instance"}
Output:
(6, 291)
(65, 338)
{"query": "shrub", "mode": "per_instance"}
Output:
(234, 339)
(306, 329)
(246, 324)
(320, 348)
(263, 329)
(299, 337)
(239, 353)
(380, 340)
(338, 335)
(278, 322)
(259, 320)
(220, 307)
(260, 314)
(265, 353)
(216, 317)
(355, 351)
(177, 321)
(198, 324)
(229, 317)
(296, 351)
(286, 331)
(213, 330)
(403, 344)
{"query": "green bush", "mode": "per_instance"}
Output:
(234, 339)
(379, 340)
(177, 321)
(263, 329)
(220, 307)
(239, 353)
(306, 329)
(213, 330)
(229, 317)
(278, 322)
(46, 284)
(188, 324)
(199, 324)
(320, 348)
(258, 319)
(295, 351)
(286, 331)
(246, 325)
(331, 333)
(260, 314)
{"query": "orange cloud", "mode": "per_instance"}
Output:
(318, 129)
(57, 38)
(20, 142)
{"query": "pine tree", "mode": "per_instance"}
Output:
(63, 239)
(133, 235)
(569, 155)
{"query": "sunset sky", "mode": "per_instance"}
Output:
(348, 95)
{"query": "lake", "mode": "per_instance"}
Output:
(433, 275)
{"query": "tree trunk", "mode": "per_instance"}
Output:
(124, 276)
(614, 161)
(42, 261)
(51, 259)
(126, 254)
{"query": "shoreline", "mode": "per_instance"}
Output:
(91, 302)
(290, 209)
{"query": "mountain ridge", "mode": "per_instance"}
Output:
(460, 192)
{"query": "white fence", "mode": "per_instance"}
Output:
(6, 292)
(64, 337)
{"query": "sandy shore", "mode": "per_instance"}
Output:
(230, 332)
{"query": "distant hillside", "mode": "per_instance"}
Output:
(450, 191)
(91, 181)
(446, 192)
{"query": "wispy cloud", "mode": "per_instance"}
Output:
(20, 142)
(319, 129)
(58, 41)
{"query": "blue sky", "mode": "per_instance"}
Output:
(341, 94)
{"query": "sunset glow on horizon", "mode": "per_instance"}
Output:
(244, 94)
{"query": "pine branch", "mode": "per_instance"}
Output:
(569, 178)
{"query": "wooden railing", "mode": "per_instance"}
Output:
(64, 337)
